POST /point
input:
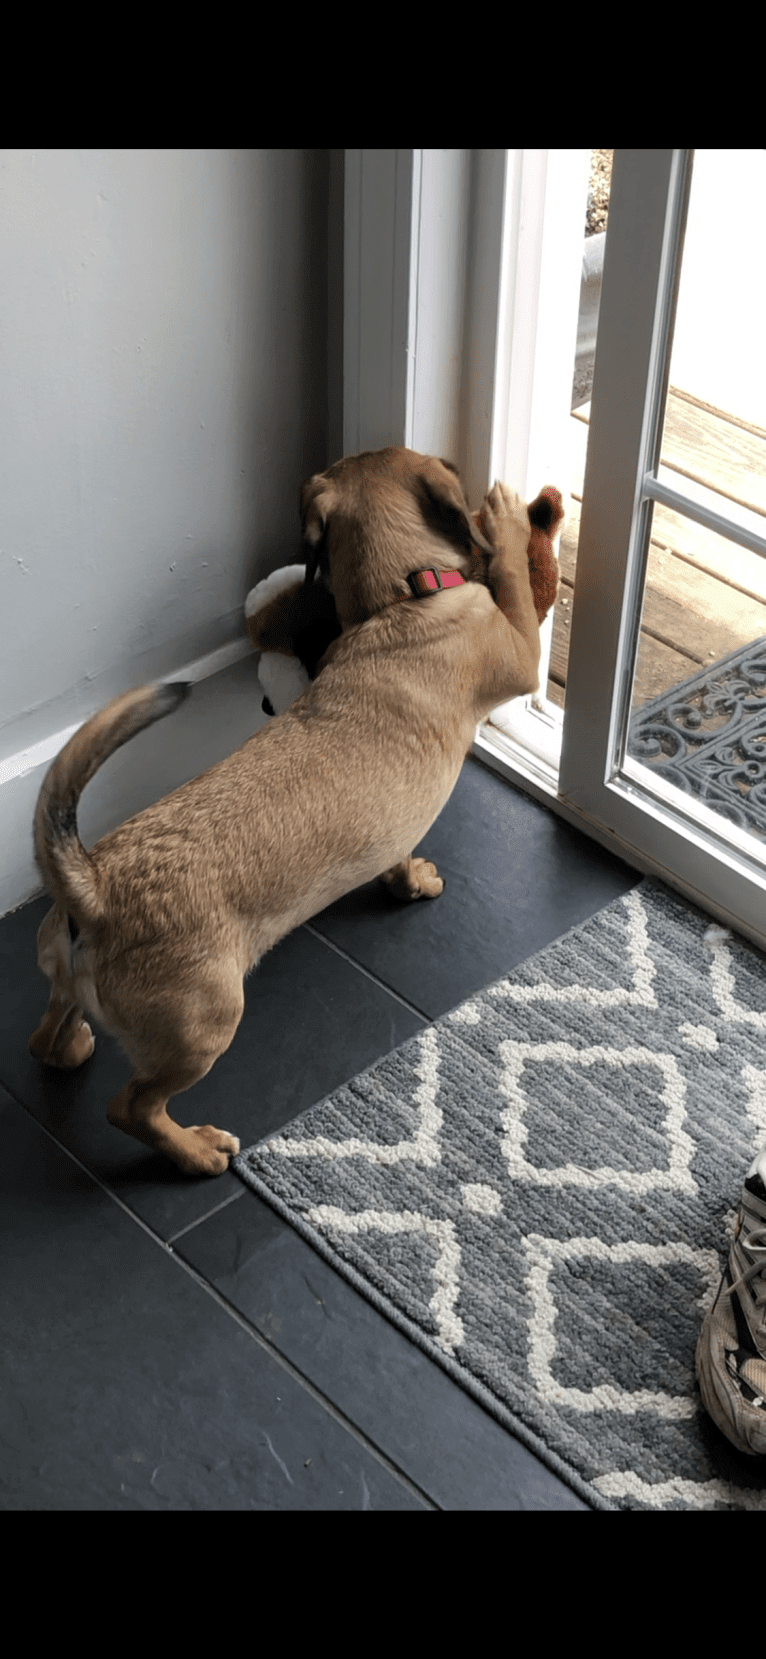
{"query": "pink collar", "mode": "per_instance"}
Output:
(424, 582)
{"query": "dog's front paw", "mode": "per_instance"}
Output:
(505, 519)
(414, 878)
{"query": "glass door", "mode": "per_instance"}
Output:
(665, 724)
(663, 732)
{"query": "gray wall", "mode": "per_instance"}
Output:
(164, 390)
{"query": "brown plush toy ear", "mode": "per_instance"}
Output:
(301, 622)
(545, 516)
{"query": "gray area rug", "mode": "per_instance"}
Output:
(540, 1189)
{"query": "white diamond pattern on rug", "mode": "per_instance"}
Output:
(421, 1148)
(518, 1057)
(543, 1256)
(724, 987)
(638, 995)
(754, 1079)
(446, 1271)
(537, 1189)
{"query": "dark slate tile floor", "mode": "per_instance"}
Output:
(172, 1344)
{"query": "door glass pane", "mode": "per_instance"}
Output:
(595, 217)
(698, 712)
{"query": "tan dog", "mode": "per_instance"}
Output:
(153, 931)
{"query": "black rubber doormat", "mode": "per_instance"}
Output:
(708, 737)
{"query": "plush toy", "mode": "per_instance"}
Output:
(299, 636)
(293, 644)
(546, 516)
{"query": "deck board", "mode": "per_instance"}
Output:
(704, 596)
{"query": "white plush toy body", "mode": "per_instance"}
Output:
(283, 678)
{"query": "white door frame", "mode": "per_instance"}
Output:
(461, 296)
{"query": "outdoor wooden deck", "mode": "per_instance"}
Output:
(704, 596)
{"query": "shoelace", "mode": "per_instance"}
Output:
(756, 1246)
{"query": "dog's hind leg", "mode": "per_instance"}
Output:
(63, 1038)
(414, 878)
(141, 1110)
(167, 1067)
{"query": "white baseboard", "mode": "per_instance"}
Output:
(223, 710)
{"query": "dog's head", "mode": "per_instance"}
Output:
(372, 518)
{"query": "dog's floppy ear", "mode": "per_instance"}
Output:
(445, 507)
(317, 500)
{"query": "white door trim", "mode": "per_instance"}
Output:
(461, 296)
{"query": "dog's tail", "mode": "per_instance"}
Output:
(67, 869)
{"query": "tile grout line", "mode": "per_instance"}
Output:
(311, 1388)
(189, 1228)
(261, 1341)
(410, 1006)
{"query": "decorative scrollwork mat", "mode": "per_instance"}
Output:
(708, 736)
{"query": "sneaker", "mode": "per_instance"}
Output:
(731, 1352)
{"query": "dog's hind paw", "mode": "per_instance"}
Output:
(414, 878)
(65, 1055)
(211, 1154)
